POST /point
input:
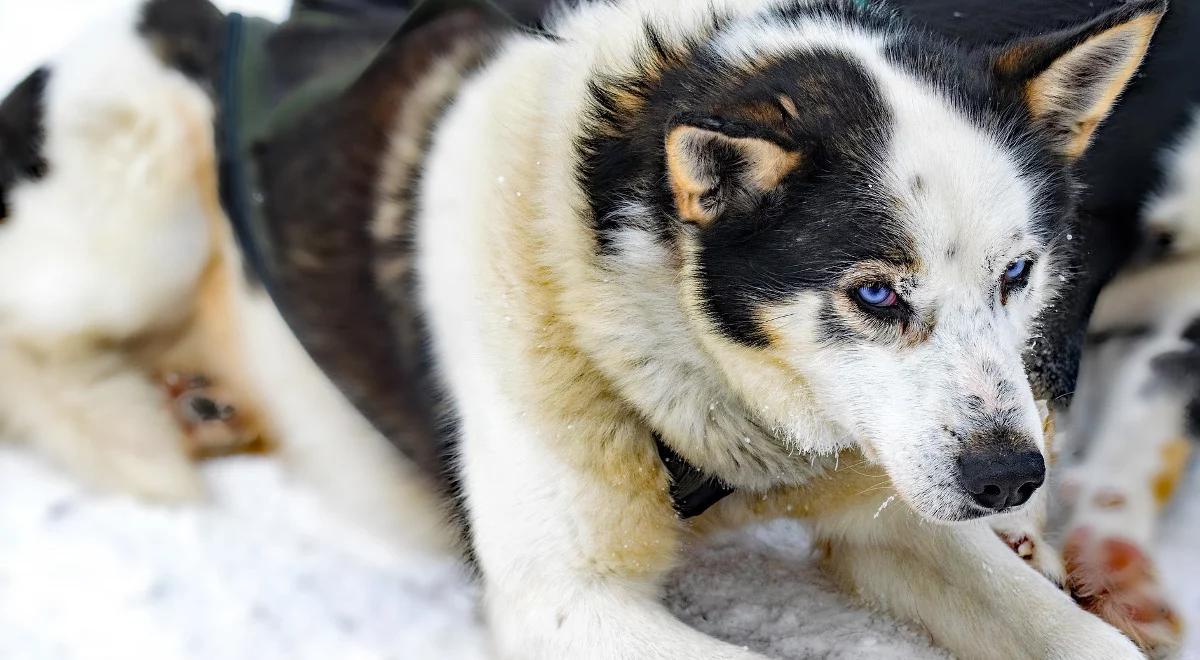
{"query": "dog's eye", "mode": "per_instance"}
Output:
(1017, 270)
(877, 295)
(1016, 276)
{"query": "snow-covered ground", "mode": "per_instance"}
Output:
(261, 572)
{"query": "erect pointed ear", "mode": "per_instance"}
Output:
(1070, 79)
(711, 163)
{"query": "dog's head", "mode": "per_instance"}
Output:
(105, 173)
(870, 221)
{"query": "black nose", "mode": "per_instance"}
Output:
(999, 480)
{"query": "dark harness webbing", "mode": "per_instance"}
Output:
(249, 113)
(692, 490)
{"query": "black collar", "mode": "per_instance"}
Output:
(692, 491)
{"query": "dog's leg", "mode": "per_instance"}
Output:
(1130, 472)
(974, 595)
(99, 416)
(574, 544)
(323, 440)
(1134, 454)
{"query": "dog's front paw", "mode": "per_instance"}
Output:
(1115, 580)
(1036, 552)
(213, 424)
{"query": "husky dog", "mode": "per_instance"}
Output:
(679, 265)
(761, 234)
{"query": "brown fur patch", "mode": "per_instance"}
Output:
(624, 521)
(211, 342)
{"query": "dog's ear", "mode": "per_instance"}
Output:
(711, 163)
(1070, 79)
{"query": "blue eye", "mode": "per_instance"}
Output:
(1016, 270)
(877, 295)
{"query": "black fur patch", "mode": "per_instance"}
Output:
(22, 135)
(820, 220)
(188, 35)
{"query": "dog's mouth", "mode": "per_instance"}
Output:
(954, 505)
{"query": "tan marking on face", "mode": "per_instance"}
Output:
(627, 101)
(1174, 456)
(789, 106)
(763, 113)
(686, 187)
(1049, 427)
(1011, 60)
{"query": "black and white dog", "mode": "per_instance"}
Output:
(679, 265)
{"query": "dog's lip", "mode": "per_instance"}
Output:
(967, 512)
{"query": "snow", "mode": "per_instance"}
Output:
(261, 572)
